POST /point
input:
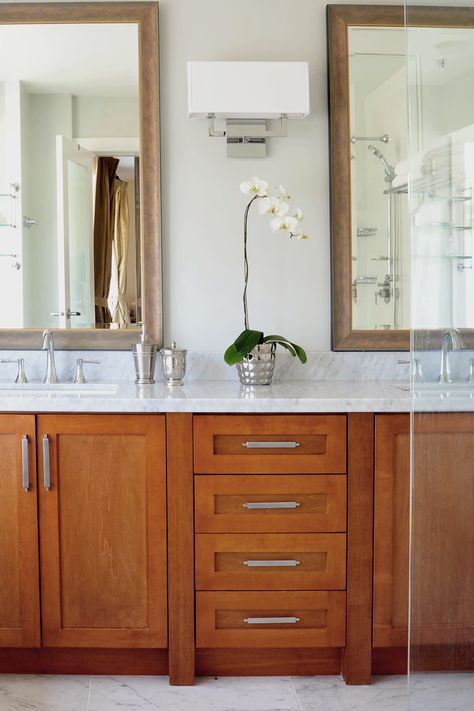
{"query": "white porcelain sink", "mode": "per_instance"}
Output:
(58, 389)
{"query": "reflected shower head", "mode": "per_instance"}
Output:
(390, 174)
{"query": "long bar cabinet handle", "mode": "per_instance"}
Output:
(271, 620)
(271, 563)
(271, 505)
(25, 464)
(46, 463)
(270, 445)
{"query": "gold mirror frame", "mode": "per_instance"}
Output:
(145, 15)
(339, 19)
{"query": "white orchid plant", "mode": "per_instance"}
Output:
(286, 220)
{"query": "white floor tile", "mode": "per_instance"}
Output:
(224, 694)
(449, 692)
(331, 694)
(44, 693)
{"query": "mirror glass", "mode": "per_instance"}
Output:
(69, 176)
(379, 153)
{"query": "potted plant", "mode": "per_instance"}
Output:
(252, 352)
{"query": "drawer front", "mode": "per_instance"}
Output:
(270, 619)
(270, 504)
(299, 561)
(276, 444)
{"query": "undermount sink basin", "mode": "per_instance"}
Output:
(59, 389)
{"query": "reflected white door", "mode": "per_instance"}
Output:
(75, 235)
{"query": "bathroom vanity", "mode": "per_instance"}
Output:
(213, 543)
(218, 535)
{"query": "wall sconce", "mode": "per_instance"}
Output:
(238, 98)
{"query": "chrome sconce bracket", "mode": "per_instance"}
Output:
(246, 139)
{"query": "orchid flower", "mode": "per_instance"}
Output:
(297, 213)
(255, 187)
(284, 224)
(273, 206)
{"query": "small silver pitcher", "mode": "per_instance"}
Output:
(174, 364)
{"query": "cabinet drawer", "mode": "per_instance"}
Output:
(276, 444)
(270, 504)
(300, 561)
(270, 619)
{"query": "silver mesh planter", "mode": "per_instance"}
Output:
(257, 367)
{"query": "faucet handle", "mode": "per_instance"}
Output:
(79, 377)
(471, 371)
(416, 369)
(20, 375)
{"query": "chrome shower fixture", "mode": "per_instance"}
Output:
(390, 174)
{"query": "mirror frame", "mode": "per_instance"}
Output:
(145, 15)
(339, 19)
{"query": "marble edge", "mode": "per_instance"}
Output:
(222, 398)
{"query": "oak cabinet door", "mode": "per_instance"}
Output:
(102, 506)
(391, 544)
(19, 578)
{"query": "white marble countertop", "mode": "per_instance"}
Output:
(211, 396)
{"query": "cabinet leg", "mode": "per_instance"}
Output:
(357, 655)
(179, 441)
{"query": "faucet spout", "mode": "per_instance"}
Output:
(48, 345)
(453, 337)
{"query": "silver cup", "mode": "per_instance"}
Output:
(144, 357)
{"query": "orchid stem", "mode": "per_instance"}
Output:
(246, 263)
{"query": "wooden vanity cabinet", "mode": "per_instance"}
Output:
(391, 530)
(19, 572)
(92, 527)
(103, 530)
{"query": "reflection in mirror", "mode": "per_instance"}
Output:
(69, 161)
(378, 143)
(401, 191)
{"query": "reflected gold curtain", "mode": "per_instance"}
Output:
(121, 237)
(103, 237)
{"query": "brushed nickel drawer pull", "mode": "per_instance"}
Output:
(271, 505)
(271, 620)
(270, 445)
(46, 463)
(25, 465)
(271, 563)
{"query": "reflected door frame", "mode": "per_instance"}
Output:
(67, 151)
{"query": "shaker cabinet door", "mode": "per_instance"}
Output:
(102, 506)
(391, 544)
(19, 578)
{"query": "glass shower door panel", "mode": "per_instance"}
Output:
(441, 39)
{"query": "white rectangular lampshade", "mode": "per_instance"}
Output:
(248, 90)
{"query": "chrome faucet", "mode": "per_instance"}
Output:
(48, 345)
(452, 336)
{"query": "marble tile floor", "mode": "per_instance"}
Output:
(428, 692)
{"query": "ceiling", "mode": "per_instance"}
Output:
(87, 60)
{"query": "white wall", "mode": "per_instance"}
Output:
(289, 289)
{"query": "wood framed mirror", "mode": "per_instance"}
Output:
(80, 208)
(393, 181)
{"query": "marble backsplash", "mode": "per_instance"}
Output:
(117, 366)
